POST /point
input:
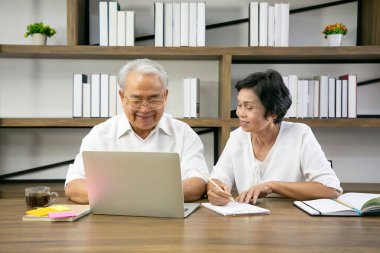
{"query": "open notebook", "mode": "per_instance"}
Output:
(235, 208)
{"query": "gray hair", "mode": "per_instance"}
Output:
(145, 66)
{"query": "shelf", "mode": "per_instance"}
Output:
(362, 122)
(286, 54)
(89, 122)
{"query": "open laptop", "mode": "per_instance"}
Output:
(136, 184)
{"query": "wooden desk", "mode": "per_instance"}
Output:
(286, 229)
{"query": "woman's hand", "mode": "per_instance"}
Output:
(255, 192)
(219, 197)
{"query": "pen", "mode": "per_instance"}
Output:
(213, 182)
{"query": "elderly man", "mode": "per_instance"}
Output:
(143, 127)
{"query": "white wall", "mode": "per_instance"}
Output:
(42, 87)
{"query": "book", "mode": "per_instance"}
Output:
(168, 24)
(78, 80)
(201, 24)
(113, 8)
(158, 24)
(86, 100)
(104, 95)
(348, 204)
(71, 213)
(235, 209)
(130, 28)
(253, 24)
(121, 15)
(192, 24)
(95, 95)
(352, 94)
(194, 97)
(184, 24)
(103, 23)
(263, 24)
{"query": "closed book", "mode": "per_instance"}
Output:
(271, 26)
(293, 83)
(78, 80)
(277, 24)
(253, 24)
(186, 97)
(286, 82)
(300, 98)
(176, 24)
(121, 28)
(95, 95)
(77, 212)
(194, 97)
(130, 28)
(184, 24)
(93, 7)
(112, 99)
(284, 24)
(352, 94)
(104, 95)
(113, 8)
(338, 99)
(103, 23)
(86, 100)
(168, 24)
(236, 209)
(158, 24)
(323, 96)
(316, 99)
(310, 105)
(201, 24)
(344, 98)
(263, 24)
(332, 87)
(348, 204)
(192, 24)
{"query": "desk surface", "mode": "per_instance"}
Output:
(286, 229)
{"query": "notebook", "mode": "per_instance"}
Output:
(235, 208)
(135, 184)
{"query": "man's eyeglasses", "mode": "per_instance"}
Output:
(152, 103)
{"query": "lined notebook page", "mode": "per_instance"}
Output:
(235, 208)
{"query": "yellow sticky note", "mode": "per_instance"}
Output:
(42, 211)
(60, 208)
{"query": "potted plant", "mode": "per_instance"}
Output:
(334, 33)
(39, 32)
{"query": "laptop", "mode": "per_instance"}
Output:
(135, 184)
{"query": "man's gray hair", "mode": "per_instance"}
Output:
(144, 66)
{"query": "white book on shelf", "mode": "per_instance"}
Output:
(323, 96)
(352, 94)
(112, 99)
(293, 83)
(300, 98)
(338, 99)
(103, 23)
(113, 8)
(332, 87)
(284, 24)
(286, 82)
(86, 100)
(130, 28)
(344, 98)
(104, 95)
(271, 26)
(121, 28)
(158, 24)
(184, 24)
(78, 80)
(316, 99)
(176, 24)
(310, 105)
(186, 97)
(95, 95)
(263, 24)
(194, 97)
(192, 24)
(253, 24)
(305, 99)
(168, 24)
(201, 24)
(277, 24)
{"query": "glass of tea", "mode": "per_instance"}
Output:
(40, 196)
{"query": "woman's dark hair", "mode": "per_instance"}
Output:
(271, 90)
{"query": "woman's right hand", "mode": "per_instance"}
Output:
(218, 196)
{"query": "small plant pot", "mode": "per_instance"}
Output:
(39, 39)
(334, 40)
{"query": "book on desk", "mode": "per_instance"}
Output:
(236, 209)
(348, 204)
(61, 213)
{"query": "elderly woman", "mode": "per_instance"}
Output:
(267, 155)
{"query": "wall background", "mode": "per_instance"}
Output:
(43, 87)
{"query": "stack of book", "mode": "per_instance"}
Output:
(268, 25)
(191, 97)
(180, 24)
(322, 97)
(116, 28)
(98, 98)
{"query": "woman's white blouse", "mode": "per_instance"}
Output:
(296, 156)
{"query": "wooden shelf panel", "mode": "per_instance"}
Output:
(358, 53)
(90, 122)
(362, 122)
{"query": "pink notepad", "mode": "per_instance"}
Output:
(57, 215)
